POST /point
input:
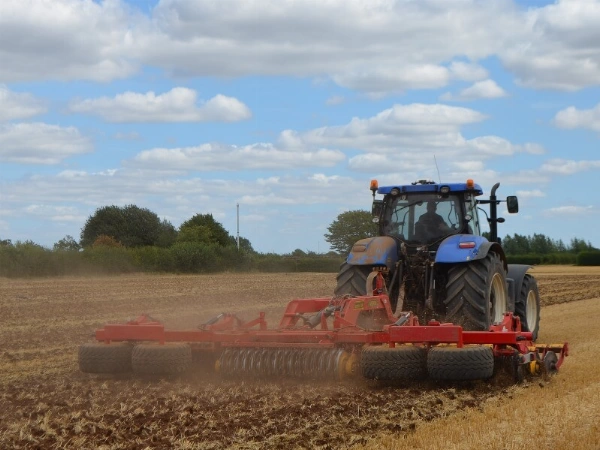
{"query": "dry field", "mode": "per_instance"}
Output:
(47, 404)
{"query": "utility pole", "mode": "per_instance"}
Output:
(238, 226)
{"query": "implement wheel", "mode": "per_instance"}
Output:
(98, 357)
(477, 294)
(460, 364)
(527, 306)
(404, 362)
(167, 359)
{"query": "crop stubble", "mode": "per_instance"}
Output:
(47, 403)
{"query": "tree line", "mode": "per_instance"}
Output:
(131, 239)
(125, 239)
(540, 244)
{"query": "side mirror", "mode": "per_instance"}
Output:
(377, 208)
(512, 203)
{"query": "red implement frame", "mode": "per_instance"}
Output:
(348, 322)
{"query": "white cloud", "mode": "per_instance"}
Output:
(375, 47)
(559, 48)
(127, 136)
(177, 105)
(568, 167)
(570, 210)
(57, 213)
(270, 199)
(17, 105)
(222, 157)
(417, 124)
(381, 80)
(469, 166)
(535, 193)
(404, 137)
(486, 89)
(335, 100)
(379, 47)
(66, 40)
(572, 117)
(409, 136)
(178, 198)
(460, 70)
(522, 177)
(40, 143)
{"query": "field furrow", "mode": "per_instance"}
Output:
(47, 403)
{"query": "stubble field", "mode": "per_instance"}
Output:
(47, 403)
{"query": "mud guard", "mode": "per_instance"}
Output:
(375, 251)
(450, 251)
(516, 275)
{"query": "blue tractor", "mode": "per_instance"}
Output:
(435, 261)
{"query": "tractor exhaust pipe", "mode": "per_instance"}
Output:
(494, 214)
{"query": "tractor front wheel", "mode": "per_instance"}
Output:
(476, 293)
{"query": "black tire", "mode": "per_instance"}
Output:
(352, 280)
(477, 293)
(404, 362)
(98, 357)
(167, 359)
(527, 306)
(460, 364)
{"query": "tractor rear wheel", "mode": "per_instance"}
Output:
(404, 362)
(476, 293)
(99, 357)
(352, 280)
(460, 364)
(527, 306)
(167, 359)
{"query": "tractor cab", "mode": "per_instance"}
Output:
(427, 213)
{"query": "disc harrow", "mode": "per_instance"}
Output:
(260, 363)
(324, 339)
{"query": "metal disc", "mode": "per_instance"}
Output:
(550, 361)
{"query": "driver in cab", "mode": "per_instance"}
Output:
(431, 224)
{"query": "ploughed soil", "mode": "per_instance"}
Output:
(45, 402)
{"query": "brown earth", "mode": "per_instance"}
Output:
(47, 403)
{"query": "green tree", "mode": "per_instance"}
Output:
(245, 245)
(541, 244)
(194, 233)
(67, 244)
(516, 245)
(167, 235)
(349, 227)
(205, 229)
(579, 245)
(130, 225)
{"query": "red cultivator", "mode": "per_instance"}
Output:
(324, 338)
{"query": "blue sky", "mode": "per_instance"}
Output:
(290, 108)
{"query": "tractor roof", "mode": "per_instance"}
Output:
(432, 187)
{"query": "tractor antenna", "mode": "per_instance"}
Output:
(438, 169)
